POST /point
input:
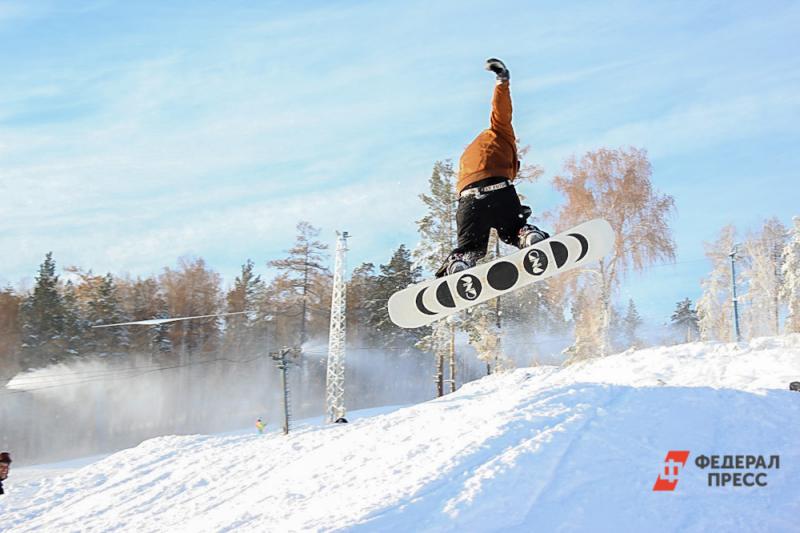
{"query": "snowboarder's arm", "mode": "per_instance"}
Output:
(501, 112)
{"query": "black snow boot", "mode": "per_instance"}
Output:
(499, 68)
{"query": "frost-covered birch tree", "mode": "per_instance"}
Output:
(714, 308)
(587, 324)
(790, 272)
(764, 279)
(437, 230)
(616, 185)
(482, 323)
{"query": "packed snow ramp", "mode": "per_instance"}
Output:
(540, 449)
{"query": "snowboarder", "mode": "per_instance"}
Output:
(5, 463)
(486, 195)
(260, 426)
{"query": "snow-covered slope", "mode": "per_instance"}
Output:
(542, 449)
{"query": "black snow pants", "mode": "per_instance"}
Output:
(477, 215)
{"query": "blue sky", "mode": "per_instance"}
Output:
(132, 133)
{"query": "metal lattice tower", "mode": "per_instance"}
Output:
(335, 378)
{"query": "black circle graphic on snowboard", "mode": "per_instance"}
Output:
(584, 244)
(560, 252)
(502, 275)
(444, 296)
(535, 262)
(421, 305)
(469, 287)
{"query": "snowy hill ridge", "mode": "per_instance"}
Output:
(545, 449)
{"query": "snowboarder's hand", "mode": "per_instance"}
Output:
(498, 67)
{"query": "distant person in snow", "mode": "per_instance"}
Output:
(486, 196)
(260, 426)
(5, 463)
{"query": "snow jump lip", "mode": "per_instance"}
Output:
(417, 306)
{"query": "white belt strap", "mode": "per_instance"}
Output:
(478, 192)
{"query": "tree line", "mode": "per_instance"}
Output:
(52, 322)
(214, 373)
(767, 267)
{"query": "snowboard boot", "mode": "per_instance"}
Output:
(499, 68)
(530, 235)
(456, 262)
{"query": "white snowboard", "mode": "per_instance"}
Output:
(429, 301)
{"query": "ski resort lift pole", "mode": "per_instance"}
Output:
(283, 365)
(334, 388)
(497, 311)
(732, 255)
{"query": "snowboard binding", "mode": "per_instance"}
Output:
(530, 235)
(456, 262)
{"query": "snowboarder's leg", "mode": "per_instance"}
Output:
(511, 220)
(473, 236)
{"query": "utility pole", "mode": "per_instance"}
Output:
(336, 339)
(733, 292)
(283, 365)
(497, 310)
(452, 357)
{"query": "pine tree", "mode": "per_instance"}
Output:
(75, 325)
(616, 185)
(616, 330)
(304, 271)
(630, 324)
(360, 291)
(43, 339)
(242, 297)
(160, 335)
(437, 229)
(397, 274)
(685, 320)
(790, 273)
(105, 308)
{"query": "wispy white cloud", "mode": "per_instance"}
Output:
(697, 127)
(220, 130)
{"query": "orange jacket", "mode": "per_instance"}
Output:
(494, 151)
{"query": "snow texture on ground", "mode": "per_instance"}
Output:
(544, 449)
